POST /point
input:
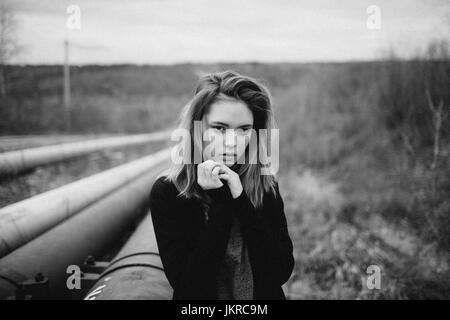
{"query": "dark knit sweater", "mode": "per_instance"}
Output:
(192, 249)
(235, 278)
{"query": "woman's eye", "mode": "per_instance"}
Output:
(243, 130)
(221, 129)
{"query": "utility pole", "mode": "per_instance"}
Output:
(66, 85)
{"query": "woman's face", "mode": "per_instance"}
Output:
(224, 145)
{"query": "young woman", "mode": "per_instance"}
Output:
(220, 223)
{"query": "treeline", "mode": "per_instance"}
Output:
(131, 98)
(114, 99)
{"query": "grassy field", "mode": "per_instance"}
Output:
(347, 217)
(357, 143)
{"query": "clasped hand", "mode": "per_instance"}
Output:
(210, 173)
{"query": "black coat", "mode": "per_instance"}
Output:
(192, 248)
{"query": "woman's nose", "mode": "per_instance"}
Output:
(229, 138)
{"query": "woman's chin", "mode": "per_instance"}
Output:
(228, 161)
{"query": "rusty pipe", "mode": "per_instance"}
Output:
(136, 273)
(90, 232)
(25, 220)
(13, 162)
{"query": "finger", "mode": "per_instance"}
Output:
(210, 166)
(218, 169)
(224, 176)
(207, 166)
(205, 172)
(201, 171)
(215, 171)
(221, 170)
(225, 168)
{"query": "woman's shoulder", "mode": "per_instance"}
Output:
(273, 194)
(165, 201)
(163, 187)
(164, 190)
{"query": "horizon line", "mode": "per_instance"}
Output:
(223, 62)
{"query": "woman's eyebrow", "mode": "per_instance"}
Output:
(218, 123)
(226, 125)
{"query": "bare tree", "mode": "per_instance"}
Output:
(8, 43)
(438, 115)
(436, 81)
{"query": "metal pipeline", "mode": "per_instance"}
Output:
(23, 221)
(13, 162)
(136, 273)
(90, 232)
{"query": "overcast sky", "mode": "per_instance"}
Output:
(173, 31)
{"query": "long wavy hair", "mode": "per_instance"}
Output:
(210, 89)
